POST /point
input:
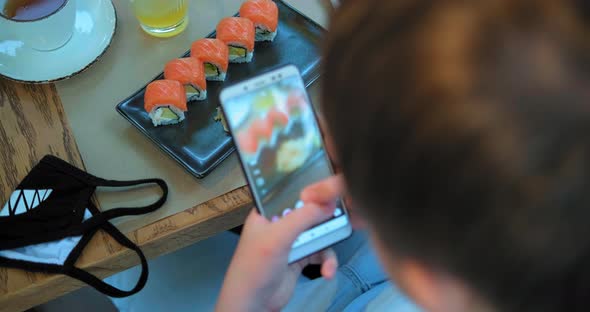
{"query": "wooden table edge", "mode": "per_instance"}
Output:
(161, 237)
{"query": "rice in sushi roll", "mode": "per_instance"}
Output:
(214, 54)
(191, 74)
(265, 16)
(165, 101)
(238, 34)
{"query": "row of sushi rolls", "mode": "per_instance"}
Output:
(185, 79)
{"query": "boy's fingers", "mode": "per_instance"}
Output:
(254, 219)
(326, 258)
(325, 191)
(300, 220)
(329, 262)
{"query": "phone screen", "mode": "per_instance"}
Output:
(280, 145)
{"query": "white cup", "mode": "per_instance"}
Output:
(46, 33)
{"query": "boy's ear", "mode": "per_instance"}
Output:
(420, 284)
(432, 290)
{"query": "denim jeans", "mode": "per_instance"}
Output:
(359, 285)
(190, 280)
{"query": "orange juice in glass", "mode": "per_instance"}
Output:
(161, 18)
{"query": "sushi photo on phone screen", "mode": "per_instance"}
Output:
(280, 143)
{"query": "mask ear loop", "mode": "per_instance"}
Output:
(101, 220)
(93, 181)
(102, 217)
(71, 270)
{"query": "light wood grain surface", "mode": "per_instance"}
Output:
(32, 124)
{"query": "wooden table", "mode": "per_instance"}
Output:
(33, 124)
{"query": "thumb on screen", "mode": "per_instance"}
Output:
(324, 191)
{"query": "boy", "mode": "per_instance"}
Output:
(463, 132)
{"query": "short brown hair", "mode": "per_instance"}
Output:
(463, 131)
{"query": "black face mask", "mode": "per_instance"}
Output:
(50, 218)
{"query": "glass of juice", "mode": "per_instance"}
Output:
(161, 18)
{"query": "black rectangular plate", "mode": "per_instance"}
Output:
(199, 143)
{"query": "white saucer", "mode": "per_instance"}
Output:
(96, 22)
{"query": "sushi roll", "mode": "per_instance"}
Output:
(265, 16)
(238, 34)
(165, 101)
(191, 74)
(215, 56)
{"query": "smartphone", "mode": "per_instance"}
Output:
(280, 147)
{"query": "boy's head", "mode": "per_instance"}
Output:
(463, 131)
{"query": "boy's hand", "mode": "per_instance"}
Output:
(259, 278)
(327, 192)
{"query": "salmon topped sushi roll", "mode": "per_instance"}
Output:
(214, 54)
(265, 16)
(238, 34)
(191, 74)
(165, 102)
